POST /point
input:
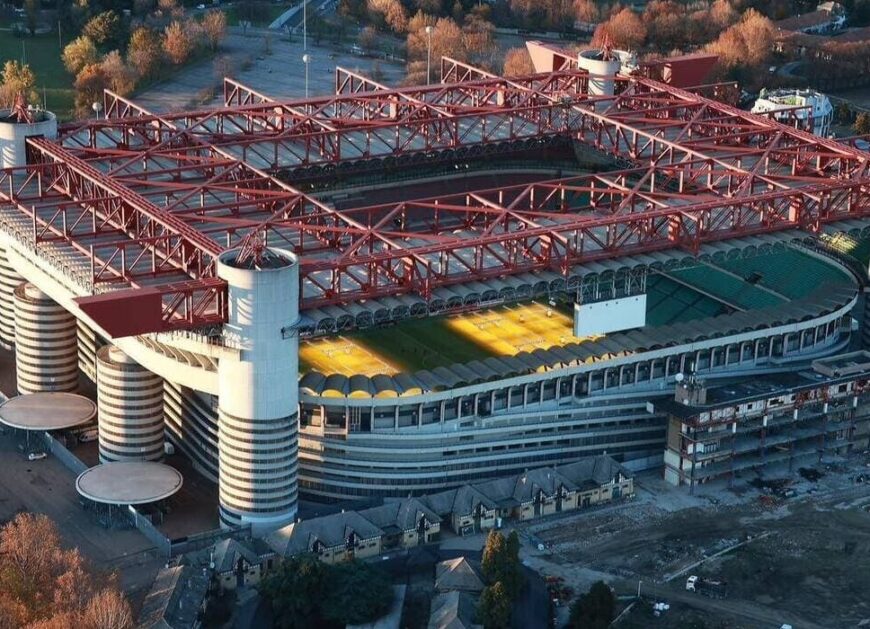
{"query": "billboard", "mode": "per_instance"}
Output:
(612, 315)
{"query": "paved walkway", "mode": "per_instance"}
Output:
(264, 60)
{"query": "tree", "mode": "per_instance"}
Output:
(358, 593)
(17, 78)
(625, 30)
(177, 43)
(78, 53)
(501, 562)
(746, 46)
(89, 85)
(214, 28)
(120, 76)
(586, 11)
(44, 586)
(105, 30)
(595, 609)
(517, 62)
(368, 38)
(107, 609)
(295, 590)
(494, 607)
(31, 15)
(862, 123)
(144, 51)
(390, 12)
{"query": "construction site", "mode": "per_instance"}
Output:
(770, 559)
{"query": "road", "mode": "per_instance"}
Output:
(759, 615)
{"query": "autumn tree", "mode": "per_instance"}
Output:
(44, 585)
(862, 124)
(144, 51)
(586, 11)
(78, 53)
(177, 42)
(517, 62)
(89, 85)
(745, 47)
(214, 28)
(105, 30)
(625, 29)
(17, 78)
(120, 76)
(390, 12)
(368, 38)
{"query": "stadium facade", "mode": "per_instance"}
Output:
(178, 240)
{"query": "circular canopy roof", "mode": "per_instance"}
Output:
(128, 483)
(47, 411)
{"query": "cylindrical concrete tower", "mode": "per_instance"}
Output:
(601, 71)
(130, 408)
(46, 355)
(258, 403)
(13, 134)
(9, 279)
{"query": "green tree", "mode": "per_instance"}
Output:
(862, 123)
(501, 562)
(357, 593)
(295, 591)
(595, 609)
(494, 607)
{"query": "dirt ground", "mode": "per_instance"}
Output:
(797, 560)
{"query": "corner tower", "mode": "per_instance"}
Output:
(258, 406)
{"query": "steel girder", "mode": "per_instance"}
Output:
(151, 199)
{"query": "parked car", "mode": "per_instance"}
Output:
(36, 456)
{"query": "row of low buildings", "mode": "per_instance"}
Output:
(408, 522)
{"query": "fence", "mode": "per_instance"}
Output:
(206, 538)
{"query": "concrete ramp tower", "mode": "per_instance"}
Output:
(258, 404)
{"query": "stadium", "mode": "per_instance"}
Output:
(377, 292)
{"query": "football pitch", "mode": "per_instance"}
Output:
(439, 341)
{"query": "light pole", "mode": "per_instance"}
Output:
(97, 107)
(306, 59)
(428, 54)
(305, 26)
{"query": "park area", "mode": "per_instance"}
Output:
(440, 341)
(43, 53)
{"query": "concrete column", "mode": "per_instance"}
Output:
(259, 395)
(9, 279)
(46, 357)
(130, 408)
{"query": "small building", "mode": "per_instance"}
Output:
(406, 523)
(332, 538)
(176, 598)
(239, 563)
(467, 509)
(452, 610)
(457, 575)
(598, 479)
(539, 492)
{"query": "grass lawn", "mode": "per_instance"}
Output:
(43, 55)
